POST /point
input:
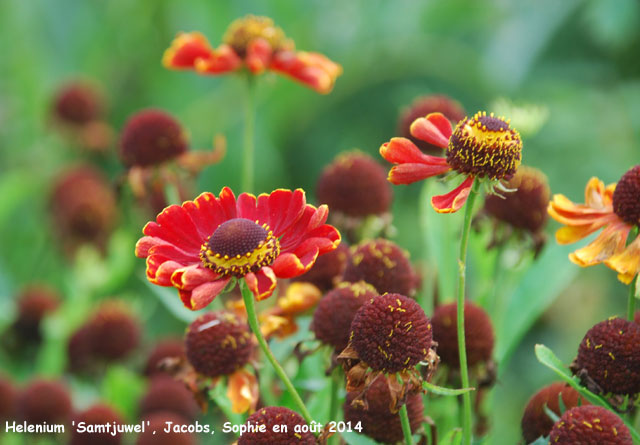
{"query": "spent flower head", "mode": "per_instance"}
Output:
(590, 425)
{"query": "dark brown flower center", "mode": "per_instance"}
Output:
(239, 246)
(626, 197)
(485, 146)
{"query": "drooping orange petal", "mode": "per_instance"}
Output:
(596, 196)
(185, 50)
(222, 60)
(409, 173)
(413, 164)
(312, 69)
(575, 232)
(455, 199)
(609, 243)
(259, 53)
(204, 294)
(434, 129)
(243, 391)
(627, 262)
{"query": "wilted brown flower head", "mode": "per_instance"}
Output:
(384, 265)
(378, 422)
(625, 197)
(535, 421)
(34, 303)
(276, 415)
(78, 103)
(335, 311)
(391, 333)
(356, 185)
(422, 106)
(479, 336)
(44, 401)
(328, 268)
(168, 395)
(99, 414)
(218, 343)
(114, 330)
(608, 355)
(8, 398)
(151, 137)
(164, 349)
(83, 207)
(154, 434)
(590, 425)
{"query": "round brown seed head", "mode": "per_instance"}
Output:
(391, 333)
(244, 30)
(356, 185)
(384, 265)
(151, 137)
(168, 395)
(327, 269)
(422, 106)
(164, 349)
(478, 334)
(626, 197)
(96, 415)
(115, 332)
(276, 415)
(590, 425)
(80, 349)
(154, 434)
(485, 146)
(378, 422)
(34, 303)
(525, 208)
(83, 207)
(78, 103)
(335, 311)
(535, 421)
(8, 398)
(44, 401)
(218, 343)
(609, 354)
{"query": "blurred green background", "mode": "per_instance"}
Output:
(576, 59)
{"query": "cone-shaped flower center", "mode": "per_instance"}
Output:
(626, 197)
(239, 246)
(242, 31)
(485, 146)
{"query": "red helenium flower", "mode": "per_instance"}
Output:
(257, 44)
(483, 146)
(199, 246)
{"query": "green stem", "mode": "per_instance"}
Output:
(631, 300)
(334, 403)
(406, 427)
(462, 266)
(248, 149)
(249, 304)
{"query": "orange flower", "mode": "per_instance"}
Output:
(615, 208)
(482, 147)
(257, 44)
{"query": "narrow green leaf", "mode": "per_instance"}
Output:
(123, 388)
(353, 438)
(453, 437)
(442, 391)
(553, 416)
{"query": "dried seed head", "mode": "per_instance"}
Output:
(78, 103)
(626, 197)
(590, 425)
(276, 415)
(44, 401)
(168, 395)
(97, 415)
(34, 303)
(114, 331)
(154, 434)
(327, 269)
(164, 349)
(8, 399)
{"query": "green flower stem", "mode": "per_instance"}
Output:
(462, 266)
(406, 427)
(334, 404)
(249, 304)
(249, 124)
(631, 299)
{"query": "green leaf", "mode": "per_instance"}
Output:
(123, 388)
(442, 391)
(453, 437)
(353, 438)
(540, 441)
(549, 359)
(169, 298)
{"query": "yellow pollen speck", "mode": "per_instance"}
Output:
(584, 422)
(612, 356)
(615, 431)
(588, 344)
(597, 347)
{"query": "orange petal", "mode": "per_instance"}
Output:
(434, 129)
(299, 297)
(596, 196)
(312, 69)
(185, 50)
(243, 391)
(609, 243)
(262, 283)
(258, 55)
(222, 60)
(455, 199)
(627, 262)
(410, 173)
(572, 233)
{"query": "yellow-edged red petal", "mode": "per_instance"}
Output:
(312, 69)
(627, 262)
(243, 391)
(259, 54)
(221, 60)
(262, 283)
(185, 50)
(455, 199)
(609, 243)
(413, 165)
(434, 129)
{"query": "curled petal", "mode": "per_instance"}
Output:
(410, 173)
(455, 199)
(202, 295)
(434, 129)
(596, 196)
(572, 233)
(222, 60)
(243, 391)
(160, 269)
(259, 53)
(609, 243)
(289, 265)
(192, 276)
(312, 69)
(262, 283)
(185, 50)
(403, 151)
(627, 262)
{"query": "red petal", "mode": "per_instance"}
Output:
(434, 129)
(410, 173)
(204, 294)
(281, 209)
(258, 55)
(455, 199)
(175, 226)
(160, 270)
(185, 50)
(247, 206)
(312, 69)
(289, 265)
(403, 151)
(262, 283)
(192, 276)
(222, 60)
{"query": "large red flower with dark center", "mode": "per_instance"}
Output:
(199, 246)
(257, 44)
(483, 147)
